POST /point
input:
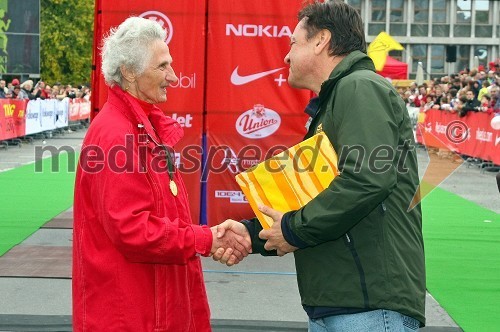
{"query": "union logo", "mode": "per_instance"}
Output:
(258, 122)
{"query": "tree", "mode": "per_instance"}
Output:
(66, 40)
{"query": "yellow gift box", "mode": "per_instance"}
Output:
(290, 179)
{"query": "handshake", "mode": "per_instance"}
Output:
(232, 242)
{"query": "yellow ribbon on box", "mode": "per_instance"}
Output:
(290, 179)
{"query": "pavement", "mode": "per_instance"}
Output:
(259, 294)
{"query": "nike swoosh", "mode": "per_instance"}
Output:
(236, 79)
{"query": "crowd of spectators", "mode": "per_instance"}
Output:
(29, 90)
(475, 90)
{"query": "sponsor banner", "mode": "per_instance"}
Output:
(62, 108)
(79, 109)
(48, 116)
(258, 124)
(247, 43)
(471, 135)
(12, 118)
(188, 157)
(226, 156)
(33, 117)
(185, 24)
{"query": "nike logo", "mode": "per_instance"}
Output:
(236, 79)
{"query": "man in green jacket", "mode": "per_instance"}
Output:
(358, 245)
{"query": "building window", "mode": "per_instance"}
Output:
(462, 30)
(483, 18)
(420, 27)
(356, 4)
(463, 57)
(483, 11)
(464, 11)
(421, 11)
(418, 54)
(482, 55)
(378, 10)
(398, 55)
(439, 11)
(437, 59)
(398, 29)
(375, 28)
(397, 11)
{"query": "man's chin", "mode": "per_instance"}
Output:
(294, 84)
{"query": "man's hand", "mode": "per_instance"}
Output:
(231, 242)
(274, 235)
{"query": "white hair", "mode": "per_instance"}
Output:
(129, 45)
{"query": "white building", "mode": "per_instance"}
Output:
(426, 27)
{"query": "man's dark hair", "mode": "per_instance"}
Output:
(343, 22)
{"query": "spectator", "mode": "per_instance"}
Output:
(429, 102)
(48, 92)
(41, 86)
(486, 104)
(413, 88)
(439, 94)
(474, 86)
(471, 105)
(420, 100)
(483, 90)
(453, 97)
(16, 90)
(70, 92)
(26, 93)
(445, 106)
(3, 89)
(459, 105)
(457, 84)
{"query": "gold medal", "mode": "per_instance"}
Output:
(173, 188)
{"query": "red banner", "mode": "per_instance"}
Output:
(227, 155)
(471, 135)
(247, 43)
(79, 109)
(185, 24)
(258, 113)
(12, 118)
(188, 157)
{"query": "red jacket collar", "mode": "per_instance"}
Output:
(157, 124)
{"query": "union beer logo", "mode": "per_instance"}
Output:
(258, 122)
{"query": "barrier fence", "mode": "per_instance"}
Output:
(19, 118)
(471, 135)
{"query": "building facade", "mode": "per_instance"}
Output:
(434, 31)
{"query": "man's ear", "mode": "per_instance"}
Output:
(322, 40)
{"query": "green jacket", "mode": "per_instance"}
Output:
(364, 248)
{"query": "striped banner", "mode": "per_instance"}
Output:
(291, 179)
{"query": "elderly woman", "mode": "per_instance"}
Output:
(136, 251)
(27, 91)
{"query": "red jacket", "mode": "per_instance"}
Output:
(136, 264)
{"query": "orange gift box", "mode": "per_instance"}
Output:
(290, 179)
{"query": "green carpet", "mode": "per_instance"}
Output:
(29, 199)
(462, 247)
